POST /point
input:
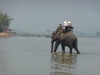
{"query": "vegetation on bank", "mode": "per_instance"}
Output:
(98, 33)
(4, 21)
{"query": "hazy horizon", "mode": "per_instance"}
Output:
(39, 15)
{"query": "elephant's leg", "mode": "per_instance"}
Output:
(52, 46)
(71, 50)
(70, 47)
(75, 47)
(63, 48)
(56, 46)
(78, 52)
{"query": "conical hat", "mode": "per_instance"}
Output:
(65, 23)
(69, 22)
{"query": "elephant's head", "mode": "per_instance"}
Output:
(54, 37)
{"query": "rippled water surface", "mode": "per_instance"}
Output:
(31, 56)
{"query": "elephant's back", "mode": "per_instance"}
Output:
(69, 35)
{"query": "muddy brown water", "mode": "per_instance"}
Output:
(31, 56)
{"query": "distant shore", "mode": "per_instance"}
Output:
(89, 36)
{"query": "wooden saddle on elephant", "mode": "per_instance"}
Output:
(69, 28)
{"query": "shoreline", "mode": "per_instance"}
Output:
(3, 34)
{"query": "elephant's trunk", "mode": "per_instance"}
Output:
(52, 45)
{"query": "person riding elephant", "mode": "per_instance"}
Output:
(65, 39)
(69, 24)
(59, 28)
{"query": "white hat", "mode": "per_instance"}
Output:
(69, 22)
(65, 23)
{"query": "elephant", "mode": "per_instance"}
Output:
(65, 39)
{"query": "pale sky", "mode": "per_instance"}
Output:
(39, 15)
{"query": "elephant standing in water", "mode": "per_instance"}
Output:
(65, 39)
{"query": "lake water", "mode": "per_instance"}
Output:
(31, 56)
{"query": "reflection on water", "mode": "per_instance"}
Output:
(63, 63)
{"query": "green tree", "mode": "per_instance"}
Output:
(4, 21)
(1, 22)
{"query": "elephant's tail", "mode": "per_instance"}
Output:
(76, 43)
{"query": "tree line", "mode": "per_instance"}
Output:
(4, 21)
(98, 33)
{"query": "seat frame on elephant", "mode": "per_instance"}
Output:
(69, 28)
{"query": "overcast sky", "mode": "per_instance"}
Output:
(39, 15)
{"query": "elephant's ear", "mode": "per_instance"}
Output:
(56, 37)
